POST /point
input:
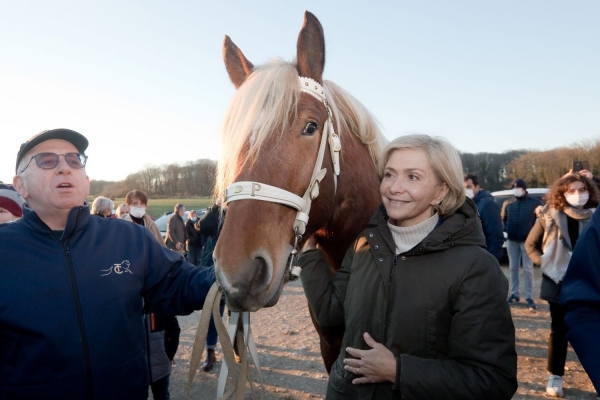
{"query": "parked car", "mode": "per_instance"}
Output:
(502, 195)
(161, 223)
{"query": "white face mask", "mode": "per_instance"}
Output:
(469, 193)
(137, 212)
(518, 192)
(193, 219)
(576, 199)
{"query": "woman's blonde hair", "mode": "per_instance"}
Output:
(444, 160)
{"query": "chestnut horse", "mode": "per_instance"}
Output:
(282, 121)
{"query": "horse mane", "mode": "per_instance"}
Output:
(266, 103)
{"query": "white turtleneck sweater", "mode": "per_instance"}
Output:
(408, 237)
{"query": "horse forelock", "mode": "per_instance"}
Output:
(266, 104)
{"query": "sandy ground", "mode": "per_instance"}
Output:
(292, 367)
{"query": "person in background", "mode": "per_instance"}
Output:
(518, 215)
(71, 323)
(137, 201)
(580, 297)
(570, 205)
(102, 206)
(176, 232)
(122, 210)
(11, 204)
(423, 302)
(194, 239)
(489, 213)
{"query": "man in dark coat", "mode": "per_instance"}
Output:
(176, 233)
(518, 215)
(194, 239)
(489, 213)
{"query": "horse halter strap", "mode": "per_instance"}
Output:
(260, 191)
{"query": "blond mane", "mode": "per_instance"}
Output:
(266, 104)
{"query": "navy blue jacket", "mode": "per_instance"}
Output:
(71, 322)
(581, 297)
(519, 216)
(491, 222)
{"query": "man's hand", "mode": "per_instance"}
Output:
(178, 246)
(375, 365)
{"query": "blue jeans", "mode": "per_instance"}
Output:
(516, 255)
(212, 336)
(194, 255)
(160, 389)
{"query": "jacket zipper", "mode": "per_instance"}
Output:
(84, 341)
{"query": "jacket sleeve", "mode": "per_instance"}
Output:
(492, 228)
(192, 233)
(533, 243)
(173, 285)
(325, 292)
(581, 297)
(482, 361)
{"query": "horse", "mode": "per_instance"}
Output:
(308, 152)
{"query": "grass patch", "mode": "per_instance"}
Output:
(157, 207)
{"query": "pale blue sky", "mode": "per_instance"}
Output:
(145, 80)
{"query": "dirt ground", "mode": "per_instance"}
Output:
(292, 367)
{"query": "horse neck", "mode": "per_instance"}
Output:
(356, 199)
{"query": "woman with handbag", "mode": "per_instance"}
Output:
(570, 204)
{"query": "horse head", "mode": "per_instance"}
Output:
(280, 153)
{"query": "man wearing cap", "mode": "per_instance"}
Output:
(71, 286)
(11, 204)
(518, 215)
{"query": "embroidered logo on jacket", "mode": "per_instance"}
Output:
(118, 268)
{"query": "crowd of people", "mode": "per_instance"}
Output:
(88, 298)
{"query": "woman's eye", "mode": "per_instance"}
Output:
(310, 129)
(413, 177)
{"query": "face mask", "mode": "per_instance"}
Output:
(137, 212)
(518, 192)
(193, 219)
(576, 199)
(469, 193)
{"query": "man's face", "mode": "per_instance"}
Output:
(51, 190)
(181, 211)
(474, 188)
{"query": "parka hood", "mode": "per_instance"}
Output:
(463, 228)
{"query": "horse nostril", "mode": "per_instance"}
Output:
(262, 274)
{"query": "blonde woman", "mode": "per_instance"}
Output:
(422, 300)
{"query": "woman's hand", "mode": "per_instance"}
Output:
(375, 365)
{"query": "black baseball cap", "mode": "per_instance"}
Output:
(75, 138)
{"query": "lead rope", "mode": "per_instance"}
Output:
(239, 375)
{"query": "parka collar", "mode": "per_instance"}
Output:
(76, 221)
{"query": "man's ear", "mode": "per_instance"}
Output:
(20, 187)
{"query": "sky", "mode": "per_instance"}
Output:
(145, 82)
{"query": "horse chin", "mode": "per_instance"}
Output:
(276, 296)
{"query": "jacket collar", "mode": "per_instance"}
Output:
(76, 221)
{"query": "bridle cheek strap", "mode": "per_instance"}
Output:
(260, 191)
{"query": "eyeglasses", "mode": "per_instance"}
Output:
(51, 160)
(580, 190)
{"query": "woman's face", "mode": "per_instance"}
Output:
(135, 202)
(577, 194)
(409, 188)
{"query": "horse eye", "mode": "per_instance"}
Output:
(310, 129)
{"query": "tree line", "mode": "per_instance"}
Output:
(495, 172)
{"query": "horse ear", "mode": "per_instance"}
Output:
(238, 67)
(311, 48)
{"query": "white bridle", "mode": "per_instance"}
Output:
(259, 191)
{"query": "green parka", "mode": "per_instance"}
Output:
(439, 307)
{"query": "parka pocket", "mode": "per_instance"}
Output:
(430, 333)
(340, 382)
